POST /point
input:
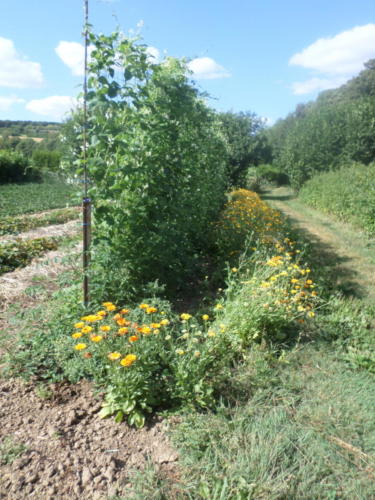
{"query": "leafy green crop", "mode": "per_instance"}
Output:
(19, 253)
(14, 225)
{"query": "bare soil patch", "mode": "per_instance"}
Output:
(69, 452)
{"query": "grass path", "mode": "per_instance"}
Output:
(346, 252)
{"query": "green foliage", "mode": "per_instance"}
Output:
(44, 160)
(347, 193)
(320, 136)
(17, 199)
(19, 253)
(157, 165)
(14, 167)
(246, 143)
(14, 225)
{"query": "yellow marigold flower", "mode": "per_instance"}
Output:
(156, 331)
(101, 313)
(111, 307)
(143, 306)
(185, 316)
(314, 294)
(211, 333)
(234, 269)
(311, 314)
(79, 347)
(123, 330)
(164, 322)
(133, 338)
(96, 338)
(77, 335)
(151, 310)
(105, 328)
(155, 325)
(205, 317)
(128, 360)
(122, 322)
(86, 329)
(218, 307)
(113, 356)
(309, 282)
(168, 337)
(106, 304)
(124, 311)
(117, 316)
(180, 352)
(79, 325)
(197, 354)
(145, 330)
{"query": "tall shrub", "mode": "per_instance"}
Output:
(157, 165)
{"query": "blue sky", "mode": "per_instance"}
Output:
(264, 56)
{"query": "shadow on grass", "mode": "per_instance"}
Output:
(274, 196)
(335, 270)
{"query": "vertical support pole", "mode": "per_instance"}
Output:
(86, 208)
(86, 205)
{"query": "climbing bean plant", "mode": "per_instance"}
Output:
(156, 160)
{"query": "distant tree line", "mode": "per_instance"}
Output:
(338, 128)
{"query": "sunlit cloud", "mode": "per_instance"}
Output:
(15, 70)
(336, 59)
(205, 68)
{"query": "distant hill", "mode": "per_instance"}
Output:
(31, 129)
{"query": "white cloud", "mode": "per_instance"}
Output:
(317, 85)
(72, 54)
(335, 59)
(153, 54)
(7, 102)
(55, 107)
(206, 68)
(15, 70)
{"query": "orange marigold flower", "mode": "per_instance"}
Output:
(123, 330)
(123, 322)
(151, 310)
(133, 338)
(128, 360)
(143, 306)
(117, 316)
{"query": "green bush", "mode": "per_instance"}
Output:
(14, 167)
(348, 194)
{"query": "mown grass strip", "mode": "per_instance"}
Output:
(15, 225)
(31, 197)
